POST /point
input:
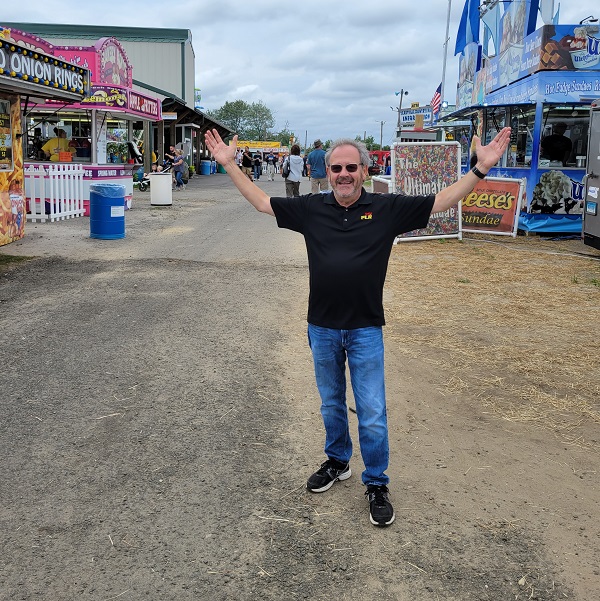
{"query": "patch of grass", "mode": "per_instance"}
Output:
(7, 260)
(595, 282)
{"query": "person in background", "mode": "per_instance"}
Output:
(271, 161)
(155, 168)
(557, 146)
(281, 161)
(388, 164)
(349, 235)
(36, 151)
(256, 166)
(171, 154)
(58, 144)
(247, 163)
(292, 181)
(316, 168)
(178, 168)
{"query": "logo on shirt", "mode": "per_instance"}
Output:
(367, 215)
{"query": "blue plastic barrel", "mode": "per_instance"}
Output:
(107, 211)
(204, 167)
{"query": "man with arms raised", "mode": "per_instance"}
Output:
(349, 235)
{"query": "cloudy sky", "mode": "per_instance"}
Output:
(326, 68)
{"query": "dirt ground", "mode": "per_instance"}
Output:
(160, 417)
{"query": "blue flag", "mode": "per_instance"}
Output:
(468, 28)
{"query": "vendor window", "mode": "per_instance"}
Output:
(564, 136)
(58, 137)
(522, 123)
(495, 119)
(521, 120)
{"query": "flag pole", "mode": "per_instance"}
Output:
(445, 60)
(446, 50)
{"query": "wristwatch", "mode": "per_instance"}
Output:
(478, 173)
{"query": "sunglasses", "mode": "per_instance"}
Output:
(350, 168)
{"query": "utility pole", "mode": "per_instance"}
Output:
(401, 93)
(381, 135)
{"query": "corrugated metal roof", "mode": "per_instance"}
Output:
(94, 32)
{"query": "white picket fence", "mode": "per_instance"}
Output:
(54, 192)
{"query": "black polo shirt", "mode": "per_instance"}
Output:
(348, 251)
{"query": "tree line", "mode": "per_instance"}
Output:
(255, 121)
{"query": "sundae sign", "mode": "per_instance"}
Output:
(550, 48)
(584, 49)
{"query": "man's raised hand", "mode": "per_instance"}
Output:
(222, 152)
(488, 156)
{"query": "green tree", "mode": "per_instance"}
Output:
(231, 114)
(250, 121)
(369, 142)
(259, 121)
(283, 136)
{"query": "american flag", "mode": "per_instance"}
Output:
(436, 102)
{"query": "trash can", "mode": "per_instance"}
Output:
(204, 167)
(213, 167)
(161, 188)
(107, 211)
(221, 169)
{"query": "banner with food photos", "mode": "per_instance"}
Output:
(423, 168)
(6, 150)
(493, 206)
(12, 195)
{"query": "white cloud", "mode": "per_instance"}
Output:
(329, 69)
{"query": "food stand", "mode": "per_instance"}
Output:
(101, 127)
(537, 84)
(591, 212)
(26, 72)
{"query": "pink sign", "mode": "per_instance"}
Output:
(106, 60)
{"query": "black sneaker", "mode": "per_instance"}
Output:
(381, 512)
(331, 471)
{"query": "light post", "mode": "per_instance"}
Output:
(381, 135)
(401, 93)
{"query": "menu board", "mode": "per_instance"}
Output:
(6, 145)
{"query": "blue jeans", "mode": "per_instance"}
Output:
(179, 178)
(364, 349)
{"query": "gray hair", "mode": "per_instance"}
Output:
(362, 150)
